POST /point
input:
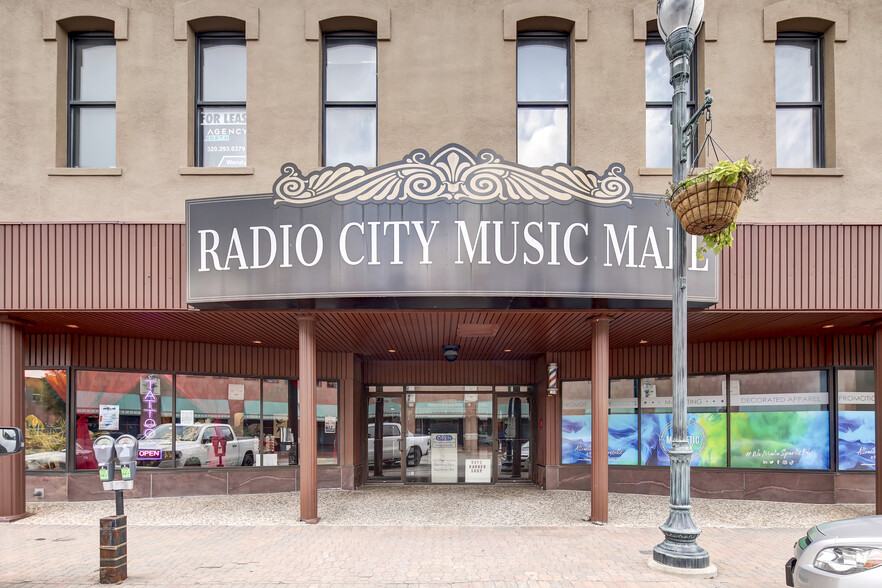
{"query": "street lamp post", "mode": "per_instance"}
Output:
(678, 23)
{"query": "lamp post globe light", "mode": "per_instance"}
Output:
(678, 23)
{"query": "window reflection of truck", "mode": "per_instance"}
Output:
(417, 445)
(213, 444)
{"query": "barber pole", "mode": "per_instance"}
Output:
(552, 379)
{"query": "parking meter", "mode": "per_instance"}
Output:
(127, 452)
(103, 447)
(219, 444)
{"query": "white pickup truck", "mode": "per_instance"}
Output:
(200, 445)
(417, 445)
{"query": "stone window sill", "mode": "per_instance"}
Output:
(833, 172)
(653, 171)
(216, 171)
(85, 171)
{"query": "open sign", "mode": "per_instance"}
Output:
(149, 454)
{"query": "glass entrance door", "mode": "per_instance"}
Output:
(513, 452)
(449, 435)
(385, 438)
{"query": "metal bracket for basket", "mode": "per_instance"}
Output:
(691, 126)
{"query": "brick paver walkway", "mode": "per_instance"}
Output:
(59, 555)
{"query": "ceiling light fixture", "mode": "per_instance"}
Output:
(72, 326)
(257, 342)
(643, 341)
(392, 351)
(828, 326)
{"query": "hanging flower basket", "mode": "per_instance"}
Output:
(709, 206)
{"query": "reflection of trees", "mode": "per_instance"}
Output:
(50, 401)
(48, 434)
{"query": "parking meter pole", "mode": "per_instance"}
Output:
(120, 511)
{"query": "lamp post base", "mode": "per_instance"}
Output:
(710, 571)
(681, 555)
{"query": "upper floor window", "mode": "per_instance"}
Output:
(350, 99)
(799, 101)
(659, 94)
(92, 101)
(543, 99)
(221, 69)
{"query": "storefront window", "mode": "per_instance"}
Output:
(780, 420)
(705, 421)
(576, 422)
(448, 436)
(124, 403)
(326, 402)
(46, 419)
(857, 425)
(218, 421)
(279, 433)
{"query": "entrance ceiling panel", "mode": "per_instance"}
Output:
(420, 335)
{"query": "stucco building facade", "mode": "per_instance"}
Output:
(116, 114)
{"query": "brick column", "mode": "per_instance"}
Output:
(878, 377)
(114, 550)
(308, 428)
(12, 467)
(600, 419)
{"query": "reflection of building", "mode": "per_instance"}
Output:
(95, 260)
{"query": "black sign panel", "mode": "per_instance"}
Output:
(456, 250)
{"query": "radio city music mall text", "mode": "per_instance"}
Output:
(486, 242)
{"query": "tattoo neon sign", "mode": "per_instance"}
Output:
(149, 398)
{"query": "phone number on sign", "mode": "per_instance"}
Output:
(224, 148)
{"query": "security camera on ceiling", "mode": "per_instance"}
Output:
(451, 352)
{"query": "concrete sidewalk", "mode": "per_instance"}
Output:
(58, 555)
(497, 536)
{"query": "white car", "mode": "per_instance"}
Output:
(194, 445)
(843, 554)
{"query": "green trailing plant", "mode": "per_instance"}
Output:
(729, 172)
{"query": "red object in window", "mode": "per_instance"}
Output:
(85, 454)
(220, 448)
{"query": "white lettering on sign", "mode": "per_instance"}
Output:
(624, 250)
(693, 401)
(785, 399)
(857, 398)
(319, 245)
(255, 258)
(471, 247)
(533, 243)
(627, 245)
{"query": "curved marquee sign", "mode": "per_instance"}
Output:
(448, 230)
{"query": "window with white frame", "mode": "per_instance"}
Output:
(221, 75)
(799, 108)
(92, 101)
(543, 99)
(349, 121)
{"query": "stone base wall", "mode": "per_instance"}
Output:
(148, 484)
(782, 486)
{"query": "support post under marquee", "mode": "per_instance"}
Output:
(12, 414)
(308, 428)
(600, 419)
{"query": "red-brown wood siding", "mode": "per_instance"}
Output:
(92, 266)
(103, 266)
(150, 354)
(728, 356)
(803, 267)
